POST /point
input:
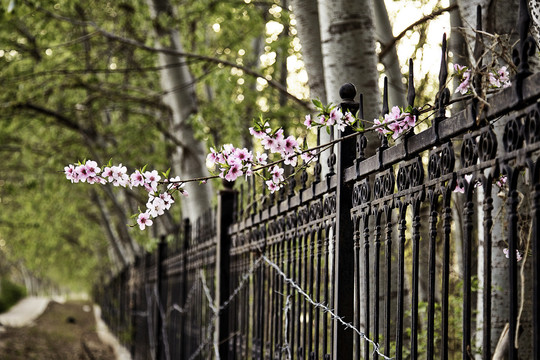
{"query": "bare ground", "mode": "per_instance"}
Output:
(64, 331)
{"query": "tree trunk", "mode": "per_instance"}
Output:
(348, 48)
(498, 17)
(118, 250)
(391, 62)
(188, 160)
(306, 14)
(467, 13)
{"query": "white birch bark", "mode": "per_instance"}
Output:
(188, 160)
(306, 14)
(120, 256)
(467, 12)
(348, 48)
(391, 61)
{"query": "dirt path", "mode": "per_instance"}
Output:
(64, 331)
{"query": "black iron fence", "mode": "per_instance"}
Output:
(397, 255)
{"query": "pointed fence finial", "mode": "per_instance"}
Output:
(411, 92)
(411, 95)
(524, 49)
(443, 96)
(385, 109)
(361, 141)
(318, 167)
(478, 44)
(477, 78)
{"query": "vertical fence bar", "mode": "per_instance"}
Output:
(226, 200)
(160, 282)
(305, 269)
(357, 286)
(344, 262)
(184, 286)
(447, 224)
(388, 255)
(415, 264)
(467, 269)
(292, 271)
(402, 227)
(318, 292)
(273, 292)
(433, 216)
(512, 216)
(310, 291)
(535, 217)
(488, 223)
(376, 267)
(367, 310)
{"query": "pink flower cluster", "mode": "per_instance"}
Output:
(334, 117)
(234, 162)
(506, 252)
(395, 123)
(87, 172)
(497, 79)
(465, 77)
(501, 182)
(276, 142)
(117, 175)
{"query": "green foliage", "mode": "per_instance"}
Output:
(71, 93)
(10, 294)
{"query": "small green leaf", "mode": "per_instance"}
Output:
(144, 168)
(318, 104)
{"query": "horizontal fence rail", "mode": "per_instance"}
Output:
(425, 249)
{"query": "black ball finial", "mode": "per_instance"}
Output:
(347, 92)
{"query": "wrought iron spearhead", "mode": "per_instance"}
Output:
(443, 96)
(384, 140)
(526, 46)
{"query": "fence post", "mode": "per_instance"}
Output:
(344, 268)
(133, 286)
(160, 257)
(224, 219)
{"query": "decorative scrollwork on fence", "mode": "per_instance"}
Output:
(303, 216)
(291, 221)
(384, 184)
(524, 127)
(330, 205)
(441, 161)
(531, 128)
(410, 174)
(315, 210)
(273, 227)
(512, 138)
(469, 153)
(361, 193)
(487, 145)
